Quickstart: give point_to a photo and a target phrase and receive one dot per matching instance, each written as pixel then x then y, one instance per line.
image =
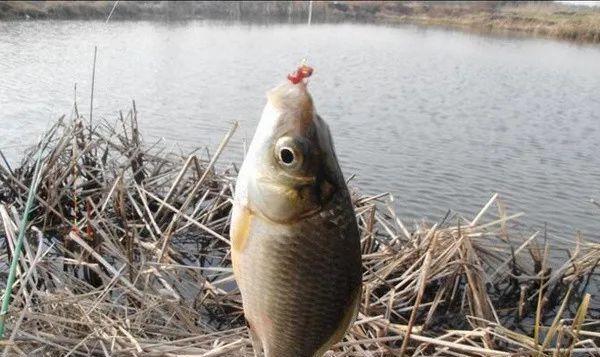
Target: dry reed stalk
pixel 153 229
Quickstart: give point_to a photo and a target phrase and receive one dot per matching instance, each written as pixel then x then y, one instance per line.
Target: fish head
pixel 290 170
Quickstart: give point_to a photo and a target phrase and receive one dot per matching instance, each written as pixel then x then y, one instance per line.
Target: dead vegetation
pixel 127 253
pixel 548 19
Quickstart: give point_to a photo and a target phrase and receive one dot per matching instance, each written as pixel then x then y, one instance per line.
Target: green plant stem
pixel 19 246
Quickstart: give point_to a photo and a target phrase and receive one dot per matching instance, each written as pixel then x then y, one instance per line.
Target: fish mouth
pixel 289 97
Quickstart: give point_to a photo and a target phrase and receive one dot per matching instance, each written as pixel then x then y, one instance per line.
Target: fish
pixel 295 242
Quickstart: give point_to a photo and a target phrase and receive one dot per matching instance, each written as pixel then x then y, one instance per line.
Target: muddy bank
pixel 536 18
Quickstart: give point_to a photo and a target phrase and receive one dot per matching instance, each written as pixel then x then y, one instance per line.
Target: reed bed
pixel 127 253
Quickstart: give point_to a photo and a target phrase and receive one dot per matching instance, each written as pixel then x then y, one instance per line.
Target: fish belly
pixel 299 283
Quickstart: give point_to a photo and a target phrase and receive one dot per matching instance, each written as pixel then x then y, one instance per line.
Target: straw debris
pixel 127 253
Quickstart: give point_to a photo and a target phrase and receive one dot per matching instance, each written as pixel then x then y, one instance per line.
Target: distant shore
pixel 578 23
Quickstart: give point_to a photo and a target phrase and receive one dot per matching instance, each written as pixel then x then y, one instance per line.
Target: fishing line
pixel 304 70
pixel 309 22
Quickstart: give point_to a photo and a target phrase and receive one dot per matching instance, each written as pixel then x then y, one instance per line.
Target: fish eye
pixel 286 155
pixel 288 152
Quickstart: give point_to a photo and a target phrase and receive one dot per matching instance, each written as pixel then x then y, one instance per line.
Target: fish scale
pixel 310 298
pixel 286 283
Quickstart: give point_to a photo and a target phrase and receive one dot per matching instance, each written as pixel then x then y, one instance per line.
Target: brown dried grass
pixel 128 254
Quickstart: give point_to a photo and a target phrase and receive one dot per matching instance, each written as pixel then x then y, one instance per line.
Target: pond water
pixel 441 119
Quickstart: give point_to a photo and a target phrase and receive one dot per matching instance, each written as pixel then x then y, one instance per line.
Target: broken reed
pixel 127 253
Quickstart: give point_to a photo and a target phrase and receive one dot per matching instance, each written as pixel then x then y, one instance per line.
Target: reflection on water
pixel 441 119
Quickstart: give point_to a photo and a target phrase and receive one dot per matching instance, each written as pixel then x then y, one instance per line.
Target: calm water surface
pixel 440 119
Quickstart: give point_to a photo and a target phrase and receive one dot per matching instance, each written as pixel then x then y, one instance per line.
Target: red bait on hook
pixel 302 72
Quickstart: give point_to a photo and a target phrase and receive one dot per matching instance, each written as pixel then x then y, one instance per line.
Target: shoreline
pixel 533 19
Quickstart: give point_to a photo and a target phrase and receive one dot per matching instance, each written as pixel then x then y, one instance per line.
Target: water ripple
pixel 440 119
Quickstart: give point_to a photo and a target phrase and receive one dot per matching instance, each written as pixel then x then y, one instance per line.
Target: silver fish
pixel 295 240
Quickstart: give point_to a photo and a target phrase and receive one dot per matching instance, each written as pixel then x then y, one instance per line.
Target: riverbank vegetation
pixel 126 252
pixel 580 23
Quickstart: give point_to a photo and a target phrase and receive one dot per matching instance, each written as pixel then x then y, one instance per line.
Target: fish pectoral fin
pixel 241 218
